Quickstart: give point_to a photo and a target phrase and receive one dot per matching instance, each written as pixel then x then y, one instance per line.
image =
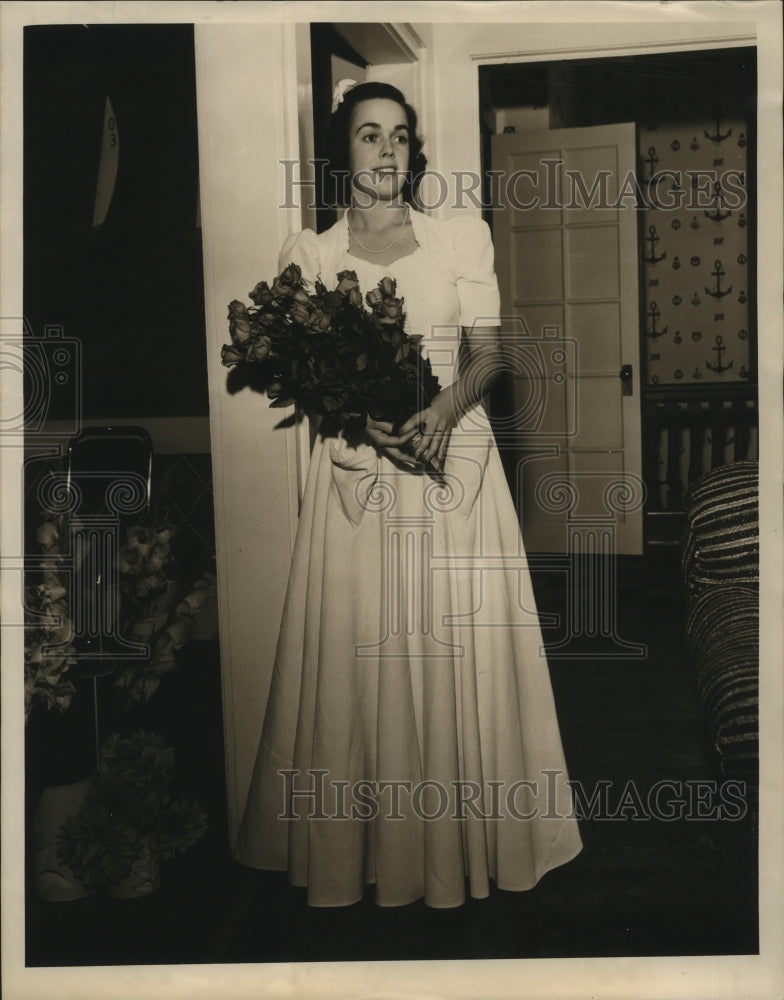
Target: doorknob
pixel 626 375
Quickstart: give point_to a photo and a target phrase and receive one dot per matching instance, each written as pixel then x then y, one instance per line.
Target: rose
pixel 144 630
pixel 389 311
pixel 130 559
pixel 274 389
pixel 259 349
pixel 310 316
pixel 291 275
pixel 179 631
pixel 347 282
pixel 158 556
pixel 52 589
pixel 48 536
pixel 300 313
pixel 63 632
pixel 239 325
pixel 388 286
pixel 231 355
pixel 355 298
pixel 261 294
pixel 54 615
pixel 288 282
pixel 138 537
pixel 374 298
pixel 163 650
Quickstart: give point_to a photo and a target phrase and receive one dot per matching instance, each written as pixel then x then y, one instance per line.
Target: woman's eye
pixel 370 137
pixel 402 139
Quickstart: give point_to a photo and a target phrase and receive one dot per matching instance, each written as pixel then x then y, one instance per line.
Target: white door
pixel 565 236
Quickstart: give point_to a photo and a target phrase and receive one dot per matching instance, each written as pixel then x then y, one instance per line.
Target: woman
pixel 410 738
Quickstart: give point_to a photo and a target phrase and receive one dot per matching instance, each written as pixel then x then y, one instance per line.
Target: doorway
pixel 684 382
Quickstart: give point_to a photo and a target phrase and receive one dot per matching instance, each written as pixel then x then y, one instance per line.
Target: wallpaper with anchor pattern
pixel 695 284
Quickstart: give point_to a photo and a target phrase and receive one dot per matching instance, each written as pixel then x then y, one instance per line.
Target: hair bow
pixel 340 91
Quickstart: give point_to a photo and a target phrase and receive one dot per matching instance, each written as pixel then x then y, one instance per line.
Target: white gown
pixel 410 691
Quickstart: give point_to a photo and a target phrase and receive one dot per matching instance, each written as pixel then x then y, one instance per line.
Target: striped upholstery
pixel 723 636
pixel 720 563
pixel 722 537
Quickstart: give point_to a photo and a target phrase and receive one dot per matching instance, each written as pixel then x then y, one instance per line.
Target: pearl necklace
pixel 394 242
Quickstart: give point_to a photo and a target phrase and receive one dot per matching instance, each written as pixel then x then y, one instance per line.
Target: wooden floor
pixel 641 886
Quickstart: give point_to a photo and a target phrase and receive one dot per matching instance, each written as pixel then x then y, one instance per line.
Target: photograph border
pixel 759 976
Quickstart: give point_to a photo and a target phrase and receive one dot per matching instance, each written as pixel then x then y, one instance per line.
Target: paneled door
pixel 565 233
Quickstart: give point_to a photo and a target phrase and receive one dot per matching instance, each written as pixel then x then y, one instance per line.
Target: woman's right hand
pixel 381 433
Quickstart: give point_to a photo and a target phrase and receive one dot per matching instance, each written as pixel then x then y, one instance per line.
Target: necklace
pixel 362 246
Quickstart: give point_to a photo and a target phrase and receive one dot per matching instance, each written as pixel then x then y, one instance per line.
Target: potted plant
pixel 131 820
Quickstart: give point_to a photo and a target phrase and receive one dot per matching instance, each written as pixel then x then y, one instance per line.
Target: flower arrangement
pixel 130 815
pixel 328 354
pixel 49 654
pixel 157 607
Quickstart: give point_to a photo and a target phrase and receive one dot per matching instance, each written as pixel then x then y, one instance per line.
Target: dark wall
pixel 131 290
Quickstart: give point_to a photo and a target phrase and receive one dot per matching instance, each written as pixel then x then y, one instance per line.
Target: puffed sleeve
pixel 477 285
pixel 301 249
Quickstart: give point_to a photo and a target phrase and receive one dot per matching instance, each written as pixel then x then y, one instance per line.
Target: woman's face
pixel 378 149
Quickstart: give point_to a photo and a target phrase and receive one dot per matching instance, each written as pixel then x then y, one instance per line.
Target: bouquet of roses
pixel 328 354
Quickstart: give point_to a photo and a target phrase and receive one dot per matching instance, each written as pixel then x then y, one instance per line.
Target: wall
pixel 247 123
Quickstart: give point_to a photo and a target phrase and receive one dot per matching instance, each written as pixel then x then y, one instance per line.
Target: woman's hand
pixel 383 437
pixel 435 424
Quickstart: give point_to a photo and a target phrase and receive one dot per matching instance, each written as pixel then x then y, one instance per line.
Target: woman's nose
pixel 387 149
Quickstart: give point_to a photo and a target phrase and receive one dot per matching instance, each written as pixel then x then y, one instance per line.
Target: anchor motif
pixel 696 373
pixel 718 136
pixel 694 224
pixel 718 274
pixel 652 160
pixel 696 300
pixel 654 314
pixel 742 298
pixel 742 220
pixel 720 348
pixel 718 215
pixel 694 144
pixel 676 263
pixel 677 338
pixel 653 239
pixel 741 140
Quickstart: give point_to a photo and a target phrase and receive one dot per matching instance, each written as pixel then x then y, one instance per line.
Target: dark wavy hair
pixel 338 140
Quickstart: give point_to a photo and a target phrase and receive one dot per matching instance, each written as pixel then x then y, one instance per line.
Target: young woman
pixel 410 739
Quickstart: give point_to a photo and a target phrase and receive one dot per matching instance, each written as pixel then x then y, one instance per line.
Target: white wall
pixel 247 107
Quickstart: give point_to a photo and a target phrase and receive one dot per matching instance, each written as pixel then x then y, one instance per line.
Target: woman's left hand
pixel 435 424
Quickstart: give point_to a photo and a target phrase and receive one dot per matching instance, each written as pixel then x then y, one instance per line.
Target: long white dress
pixel 410 738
